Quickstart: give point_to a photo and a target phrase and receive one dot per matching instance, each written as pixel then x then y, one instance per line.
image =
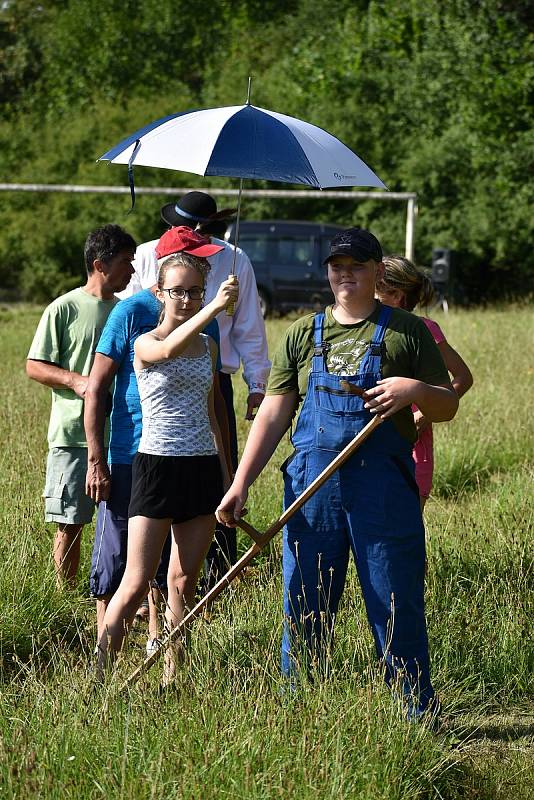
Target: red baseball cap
pixel 185 240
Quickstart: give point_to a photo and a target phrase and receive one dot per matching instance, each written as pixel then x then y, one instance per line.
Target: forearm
pixel 225 468
pixel 221 416
pixel 94 420
pixel 100 381
pixel 216 431
pixel 437 403
pixel 51 375
pixel 250 343
pixel 177 341
pixel 461 376
pixel 462 383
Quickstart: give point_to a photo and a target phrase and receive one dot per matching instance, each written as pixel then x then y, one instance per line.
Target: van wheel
pixel 265 303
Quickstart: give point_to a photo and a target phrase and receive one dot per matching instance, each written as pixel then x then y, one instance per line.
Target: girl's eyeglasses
pixel 177 293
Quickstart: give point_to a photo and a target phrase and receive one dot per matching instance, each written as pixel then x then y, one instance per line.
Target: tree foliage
pixel 434 96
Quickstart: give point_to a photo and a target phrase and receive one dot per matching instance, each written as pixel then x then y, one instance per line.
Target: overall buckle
pixel 322 349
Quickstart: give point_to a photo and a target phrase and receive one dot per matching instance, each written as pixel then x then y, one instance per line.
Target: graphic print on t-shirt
pixel 344 357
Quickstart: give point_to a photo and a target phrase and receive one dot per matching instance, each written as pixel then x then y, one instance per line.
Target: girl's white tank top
pixel 174 402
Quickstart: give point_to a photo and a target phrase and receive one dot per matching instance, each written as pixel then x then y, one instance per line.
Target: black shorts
pixel 111 537
pixel 176 487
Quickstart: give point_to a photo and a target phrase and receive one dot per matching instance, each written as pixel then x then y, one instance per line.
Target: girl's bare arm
pixel 462 379
pixel 151 350
pixel 214 422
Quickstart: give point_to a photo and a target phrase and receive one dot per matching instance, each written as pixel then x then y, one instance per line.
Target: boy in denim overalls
pixel 371 505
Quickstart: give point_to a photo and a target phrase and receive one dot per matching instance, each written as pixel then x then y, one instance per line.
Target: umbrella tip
pixel 249 89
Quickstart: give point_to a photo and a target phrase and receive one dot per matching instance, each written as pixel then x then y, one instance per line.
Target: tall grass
pixel 229 729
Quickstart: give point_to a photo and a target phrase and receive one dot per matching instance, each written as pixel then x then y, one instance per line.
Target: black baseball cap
pixel 355 242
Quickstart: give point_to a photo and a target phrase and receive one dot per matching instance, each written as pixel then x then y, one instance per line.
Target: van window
pixel 295 250
pixel 256 246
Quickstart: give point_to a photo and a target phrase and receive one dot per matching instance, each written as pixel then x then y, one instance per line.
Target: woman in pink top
pixel 406 286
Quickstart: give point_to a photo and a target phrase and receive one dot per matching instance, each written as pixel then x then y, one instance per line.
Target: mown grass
pixel 229 730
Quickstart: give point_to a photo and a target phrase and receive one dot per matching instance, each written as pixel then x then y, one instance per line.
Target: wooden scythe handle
pixel 260 540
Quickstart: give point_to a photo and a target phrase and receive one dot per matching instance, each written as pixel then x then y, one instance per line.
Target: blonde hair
pixel 400 273
pixel 201 265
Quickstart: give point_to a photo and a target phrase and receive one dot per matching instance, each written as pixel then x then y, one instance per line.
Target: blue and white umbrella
pixel 245 142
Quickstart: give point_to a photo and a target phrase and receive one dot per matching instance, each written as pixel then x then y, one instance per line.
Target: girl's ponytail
pixel 412 281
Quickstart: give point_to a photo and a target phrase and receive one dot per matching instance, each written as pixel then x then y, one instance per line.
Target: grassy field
pixel 227 730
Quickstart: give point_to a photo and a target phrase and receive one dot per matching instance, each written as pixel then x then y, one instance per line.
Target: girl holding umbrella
pixel 179 471
pixel 357 359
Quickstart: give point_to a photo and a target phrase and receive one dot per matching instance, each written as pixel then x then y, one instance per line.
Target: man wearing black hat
pixel 242 336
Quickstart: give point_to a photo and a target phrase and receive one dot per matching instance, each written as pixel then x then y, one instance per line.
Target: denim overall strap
pixel 320 348
pixel 372 360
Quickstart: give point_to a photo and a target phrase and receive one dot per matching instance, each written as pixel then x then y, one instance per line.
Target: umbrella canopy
pixel 245 142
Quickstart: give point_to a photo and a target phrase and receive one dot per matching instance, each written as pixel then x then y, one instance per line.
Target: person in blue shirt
pixel 109 476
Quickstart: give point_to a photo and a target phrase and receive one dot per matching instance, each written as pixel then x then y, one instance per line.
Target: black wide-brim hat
pixel 194 209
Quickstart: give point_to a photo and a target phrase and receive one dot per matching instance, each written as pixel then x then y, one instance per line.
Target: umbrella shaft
pixel 236 237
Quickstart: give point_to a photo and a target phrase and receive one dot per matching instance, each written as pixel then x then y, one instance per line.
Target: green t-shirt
pixel 409 352
pixel 67 335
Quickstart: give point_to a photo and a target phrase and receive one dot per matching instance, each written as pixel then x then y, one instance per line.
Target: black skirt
pixel 176 487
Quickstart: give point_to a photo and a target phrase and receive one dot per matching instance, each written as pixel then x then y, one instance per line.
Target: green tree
pixel 434 96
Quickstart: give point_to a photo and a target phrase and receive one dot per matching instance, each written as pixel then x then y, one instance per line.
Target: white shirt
pixel 242 335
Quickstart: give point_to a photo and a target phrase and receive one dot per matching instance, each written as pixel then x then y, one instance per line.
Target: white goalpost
pixel 409 198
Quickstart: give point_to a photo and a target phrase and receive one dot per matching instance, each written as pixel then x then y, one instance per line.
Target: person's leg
pixel 67 553
pixel 157 601
pixel 143 612
pixel 67 505
pixel 154 605
pixel 108 559
pixel 145 543
pixel 101 606
pixel 191 541
pixel 314 569
pixel 223 551
pixel 391 572
pixel 157 597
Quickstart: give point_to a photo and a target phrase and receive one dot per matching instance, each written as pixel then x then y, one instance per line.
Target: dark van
pixel 288 262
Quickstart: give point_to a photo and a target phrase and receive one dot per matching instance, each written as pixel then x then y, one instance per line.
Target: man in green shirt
pixel 61 356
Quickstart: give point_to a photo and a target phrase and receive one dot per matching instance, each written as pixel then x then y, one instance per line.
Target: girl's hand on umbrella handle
pixel 230 308
pixel 232 506
pixel 389 396
pixel 227 294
